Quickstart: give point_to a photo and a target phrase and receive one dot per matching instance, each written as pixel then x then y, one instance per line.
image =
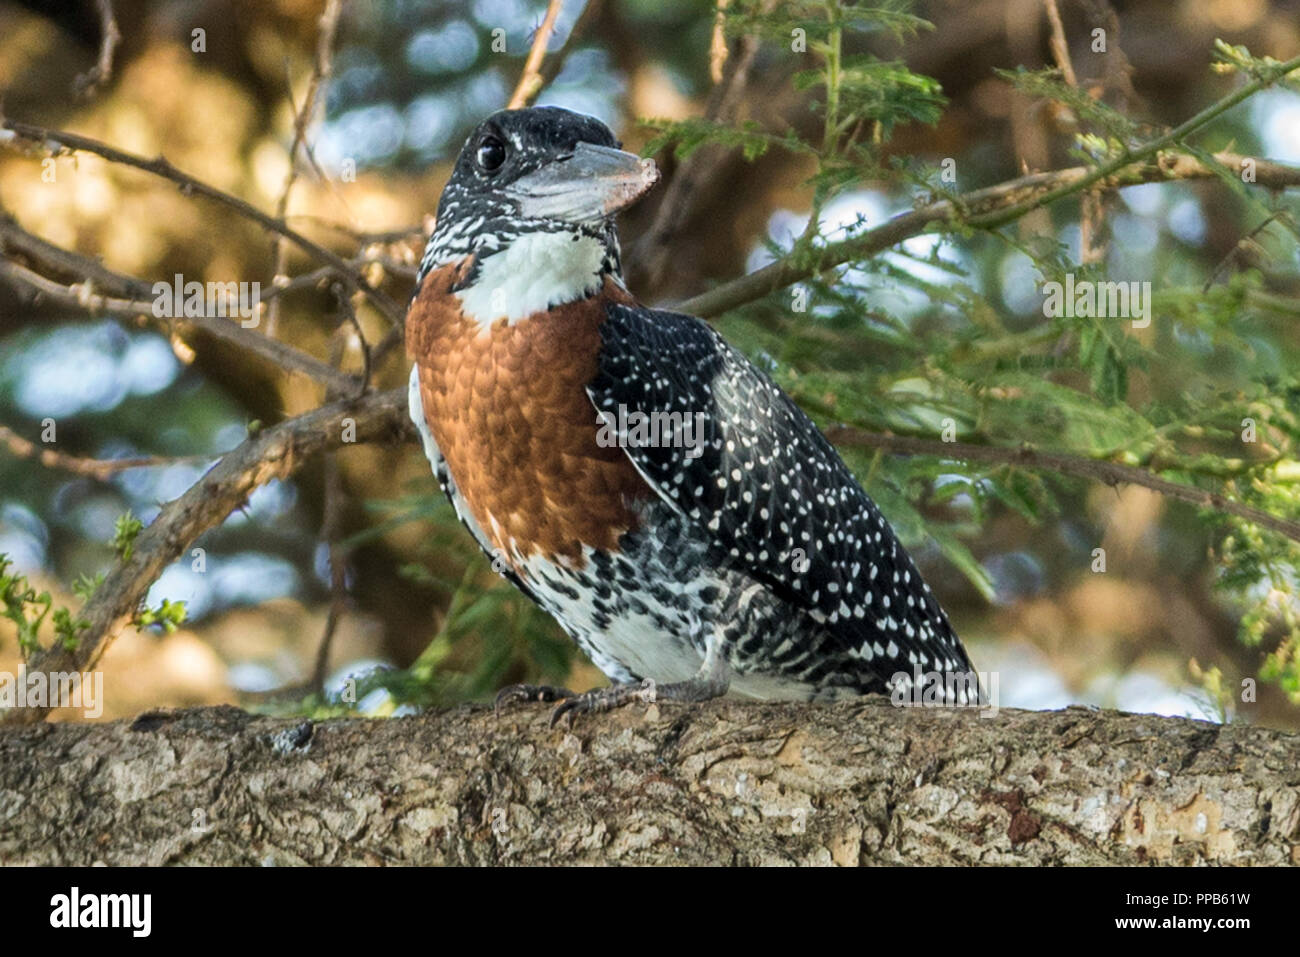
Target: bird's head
pixel 537 189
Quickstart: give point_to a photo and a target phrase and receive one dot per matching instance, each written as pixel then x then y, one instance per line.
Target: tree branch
pixel 656 253
pixel 726 783
pixel 1021 194
pixel 1110 473
pixel 1147 150
pixel 99 469
pixel 83 296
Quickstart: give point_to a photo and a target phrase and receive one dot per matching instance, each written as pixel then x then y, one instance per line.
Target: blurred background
pixel 420 619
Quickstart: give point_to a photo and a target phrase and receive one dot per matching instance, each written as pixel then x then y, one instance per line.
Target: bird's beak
pixel 590 184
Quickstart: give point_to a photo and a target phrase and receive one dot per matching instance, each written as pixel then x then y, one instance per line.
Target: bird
pixel 674 510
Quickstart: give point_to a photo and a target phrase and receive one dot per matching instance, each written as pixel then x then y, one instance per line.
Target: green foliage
pixel 20 603
pixel 68 628
pixel 818 21
pixel 1049 85
pixel 1260 577
pixel 169 616
pixel 880 92
pixel 688 135
pixel 16 597
pixel 86 585
pixel 125 530
pixel 861 92
pixel 1229 58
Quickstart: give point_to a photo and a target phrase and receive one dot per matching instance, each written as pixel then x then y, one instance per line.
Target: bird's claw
pixel 544 693
pixel 600 700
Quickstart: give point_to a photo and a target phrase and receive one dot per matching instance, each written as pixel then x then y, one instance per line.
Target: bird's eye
pixel 491 154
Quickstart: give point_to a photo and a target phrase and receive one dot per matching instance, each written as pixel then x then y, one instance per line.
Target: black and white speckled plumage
pixel 776 506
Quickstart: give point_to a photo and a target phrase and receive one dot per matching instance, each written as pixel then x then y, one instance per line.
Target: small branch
pixel 83 296
pixel 331 531
pixel 56 141
pixel 365 238
pixel 52 258
pixel 332 509
pixel 89 82
pixel 530 82
pixel 718 42
pixel 407 271
pixel 1245 242
pixel 1110 473
pixel 1003 207
pixel 305 281
pixel 392 339
pixel 99 469
pixel 553 64
pixel 1060 47
pixel 132 301
pixel 322 67
pixel 350 314
pixel 1016 194
pixel 1091 210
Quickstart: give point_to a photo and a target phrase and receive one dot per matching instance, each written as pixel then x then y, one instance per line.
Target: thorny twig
pixel 322 67
pixel 530 82
pixel 87 83
pixel 99 469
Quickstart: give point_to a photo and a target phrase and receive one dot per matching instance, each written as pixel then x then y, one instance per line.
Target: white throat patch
pixel 535 272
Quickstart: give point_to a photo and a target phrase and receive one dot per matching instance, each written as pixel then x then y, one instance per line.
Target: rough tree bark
pixel 725 783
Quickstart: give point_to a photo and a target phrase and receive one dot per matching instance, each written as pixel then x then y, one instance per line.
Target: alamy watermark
pixel 53 689
pixel 130 911
pixel 632 428
pixel 1103 300
pixel 235 300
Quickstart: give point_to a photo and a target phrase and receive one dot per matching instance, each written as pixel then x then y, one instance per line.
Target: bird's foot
pixel 512 693
pixel 600 700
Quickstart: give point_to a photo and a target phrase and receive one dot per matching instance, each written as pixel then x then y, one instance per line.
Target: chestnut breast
pixel 509 410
